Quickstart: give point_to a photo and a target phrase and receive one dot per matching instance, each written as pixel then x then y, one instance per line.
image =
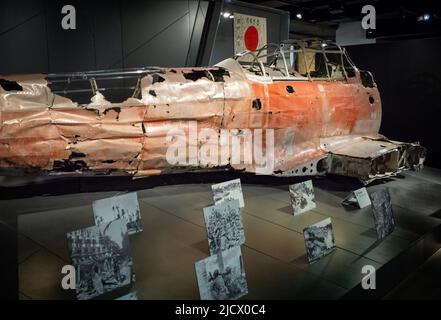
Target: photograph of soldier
pixel 222 276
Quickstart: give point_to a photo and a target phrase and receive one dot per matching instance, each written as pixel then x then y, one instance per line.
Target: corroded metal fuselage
pixel 319 126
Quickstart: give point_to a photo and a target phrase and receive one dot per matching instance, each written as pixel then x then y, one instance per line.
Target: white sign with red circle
pixel 249 34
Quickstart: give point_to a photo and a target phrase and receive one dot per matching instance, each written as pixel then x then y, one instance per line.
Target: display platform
pixel 174 235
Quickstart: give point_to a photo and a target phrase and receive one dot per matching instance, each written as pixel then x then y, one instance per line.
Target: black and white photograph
pixel 319 240
pixel 101 257
pixel 123 206
pixel 227 191
pixel 222 276
pixel 224 226
pixel 383 214
pixel 129 296
pixel 302 197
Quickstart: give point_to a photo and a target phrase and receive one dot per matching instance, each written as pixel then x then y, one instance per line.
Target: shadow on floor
pixel 71 185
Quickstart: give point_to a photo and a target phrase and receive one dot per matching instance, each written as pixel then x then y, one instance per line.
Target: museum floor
pixel 174 237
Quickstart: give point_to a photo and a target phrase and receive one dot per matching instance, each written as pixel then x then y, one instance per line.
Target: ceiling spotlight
pixel 324 44
pixel 424 17
pixel 231 16
pixel 299 15
pixel 226 14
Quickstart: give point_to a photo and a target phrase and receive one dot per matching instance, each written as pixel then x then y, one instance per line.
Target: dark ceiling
pixel 394 18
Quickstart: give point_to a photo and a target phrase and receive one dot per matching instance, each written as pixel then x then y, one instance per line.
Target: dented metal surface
pixel 320 125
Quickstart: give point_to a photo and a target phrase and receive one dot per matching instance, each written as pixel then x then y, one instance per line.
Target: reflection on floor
pixel 174 237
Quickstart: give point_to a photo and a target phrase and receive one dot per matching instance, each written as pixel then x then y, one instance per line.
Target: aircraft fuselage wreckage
pixel 320 113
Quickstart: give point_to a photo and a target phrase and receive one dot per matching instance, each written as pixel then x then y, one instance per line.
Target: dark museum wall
pixel 109 34
pixel 116 34
pixel 408 74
